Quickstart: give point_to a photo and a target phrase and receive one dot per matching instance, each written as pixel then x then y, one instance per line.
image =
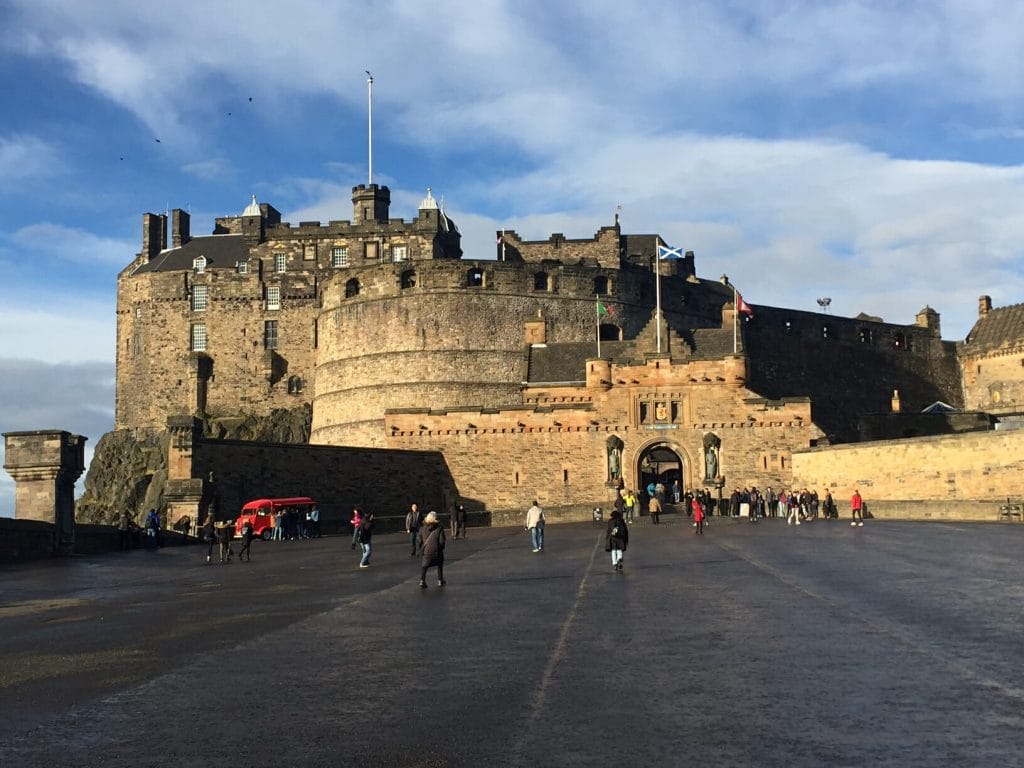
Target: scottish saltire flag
pixel 665 253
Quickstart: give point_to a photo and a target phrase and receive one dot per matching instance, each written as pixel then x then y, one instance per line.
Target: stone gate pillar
pixel 183 492
pixel 45 465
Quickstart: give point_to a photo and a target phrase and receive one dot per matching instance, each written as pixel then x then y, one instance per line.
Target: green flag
pixel 602 310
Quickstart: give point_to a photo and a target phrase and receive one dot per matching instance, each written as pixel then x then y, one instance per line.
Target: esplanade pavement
pixel 894 644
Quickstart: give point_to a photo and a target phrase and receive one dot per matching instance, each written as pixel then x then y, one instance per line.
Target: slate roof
pixel 221 252
pixel 998 328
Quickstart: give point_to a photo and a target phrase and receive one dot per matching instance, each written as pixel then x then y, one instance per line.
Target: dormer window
pixel 199 264
pixel 242 267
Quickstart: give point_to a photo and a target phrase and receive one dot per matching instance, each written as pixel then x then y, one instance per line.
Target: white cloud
pixel 211 169
pixel 51 241
pixel 65 329
pixel 25 158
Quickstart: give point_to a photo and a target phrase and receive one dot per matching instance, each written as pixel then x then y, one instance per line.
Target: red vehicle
pixel 260 514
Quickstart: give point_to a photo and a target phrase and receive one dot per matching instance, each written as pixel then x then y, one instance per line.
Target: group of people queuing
pixel 291 523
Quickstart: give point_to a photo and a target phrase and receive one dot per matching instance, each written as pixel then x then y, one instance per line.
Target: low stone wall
pixel 22 540
pixel 956 473
pixel 960 511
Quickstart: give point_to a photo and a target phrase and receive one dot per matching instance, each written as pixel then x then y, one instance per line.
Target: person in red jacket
pixel 857 508
pixel 698 516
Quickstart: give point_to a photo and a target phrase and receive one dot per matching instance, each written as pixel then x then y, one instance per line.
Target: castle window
pixel 199 264
pixel 136 344
pixel 789 326
pixel 242 267
pixel 866 336
pixel 408 279
pixel 279 262
pixel 352 288
pixel 541 282
pixel 309 252
pixel 399 253
pixel 602 285
pixel 270 334
pixel 198 298
pixel 273 297
pixel 475 278
pixel 197 342
pixel 339 257
pixel 294 385
pixel 899 341
pixel 824 331
pixel 370 250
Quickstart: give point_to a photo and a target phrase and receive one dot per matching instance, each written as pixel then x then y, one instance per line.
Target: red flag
pixel 742 306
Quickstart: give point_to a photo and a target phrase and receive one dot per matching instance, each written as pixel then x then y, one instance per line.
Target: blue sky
pixel 865 151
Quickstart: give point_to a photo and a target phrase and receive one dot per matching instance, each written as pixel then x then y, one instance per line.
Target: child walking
pixel 616 538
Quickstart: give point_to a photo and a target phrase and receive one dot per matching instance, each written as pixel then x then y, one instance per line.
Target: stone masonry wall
pixel 994 382
pixel 956 470
pixel 383 482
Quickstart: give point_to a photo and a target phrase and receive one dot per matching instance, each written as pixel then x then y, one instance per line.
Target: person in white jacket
pixel 535 525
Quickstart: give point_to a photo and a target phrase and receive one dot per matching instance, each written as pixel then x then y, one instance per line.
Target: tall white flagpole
pixel 597 312
pixel 657 293
pixel 369 132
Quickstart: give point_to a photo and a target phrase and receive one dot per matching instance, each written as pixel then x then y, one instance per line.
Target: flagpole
pixel 597 314
pixel 657 293
pixel 369 125
pixel 735 320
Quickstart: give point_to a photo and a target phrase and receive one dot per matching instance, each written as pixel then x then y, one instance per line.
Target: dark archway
pixel 610 332
pixel 660 463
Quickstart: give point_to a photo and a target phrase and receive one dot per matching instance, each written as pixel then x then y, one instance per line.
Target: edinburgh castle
pixel 368 361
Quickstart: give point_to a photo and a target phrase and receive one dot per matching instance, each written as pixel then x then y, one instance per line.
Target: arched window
pixel 602 285
pixel 610 332
pixel 352 288
pixel 541 281
pixel 199 264
pixel 294 385
pixel 408 279
pixel 475 278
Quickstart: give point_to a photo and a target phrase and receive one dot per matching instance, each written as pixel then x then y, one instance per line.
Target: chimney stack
pixel 984 305
pixel 180 223
pixel 154 234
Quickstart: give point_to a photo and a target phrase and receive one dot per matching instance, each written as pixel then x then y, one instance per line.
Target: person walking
pixel 698 517
pixel 629 501
pixel 365 535
pixel 314 523
pixel 857 509
pixel 209 536
pixel 654 508
pixel 459 522
pixel 224 540
pixel 431 546
pixel 535 525
pixel 153 530
pixel 244 555
pixel 124 531
pixel 793 511
pixel 676 491
pixel 357 519
pixel 413 521
pixel 278 525
pixel 616 538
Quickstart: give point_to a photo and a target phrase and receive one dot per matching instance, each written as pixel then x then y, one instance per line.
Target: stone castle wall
pixel 925 473
pixel 444 343
pixel 383 482
pixel 848 366
pixel 994 381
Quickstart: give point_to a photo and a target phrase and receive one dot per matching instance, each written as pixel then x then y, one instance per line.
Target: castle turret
pixel 370 203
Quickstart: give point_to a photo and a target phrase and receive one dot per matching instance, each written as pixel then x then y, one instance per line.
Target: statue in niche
pixel 712 465
pixel 614 446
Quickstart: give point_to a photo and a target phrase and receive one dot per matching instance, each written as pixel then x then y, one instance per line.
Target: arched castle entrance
pixel 661 461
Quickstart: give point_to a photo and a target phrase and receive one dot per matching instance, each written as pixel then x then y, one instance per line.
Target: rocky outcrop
pixel 129 467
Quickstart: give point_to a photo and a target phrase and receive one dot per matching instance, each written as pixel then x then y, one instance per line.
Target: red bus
pixel 260 514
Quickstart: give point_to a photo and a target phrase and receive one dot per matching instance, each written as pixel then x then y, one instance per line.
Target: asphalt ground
pixel 895 644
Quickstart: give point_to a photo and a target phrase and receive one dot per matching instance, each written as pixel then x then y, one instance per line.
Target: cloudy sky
pixel 865 151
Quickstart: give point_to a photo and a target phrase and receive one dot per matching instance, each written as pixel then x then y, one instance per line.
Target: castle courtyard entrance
pixel 659 463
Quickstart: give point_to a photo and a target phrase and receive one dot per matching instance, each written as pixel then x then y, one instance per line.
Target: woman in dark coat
pixel 616 538
pixel 431 546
